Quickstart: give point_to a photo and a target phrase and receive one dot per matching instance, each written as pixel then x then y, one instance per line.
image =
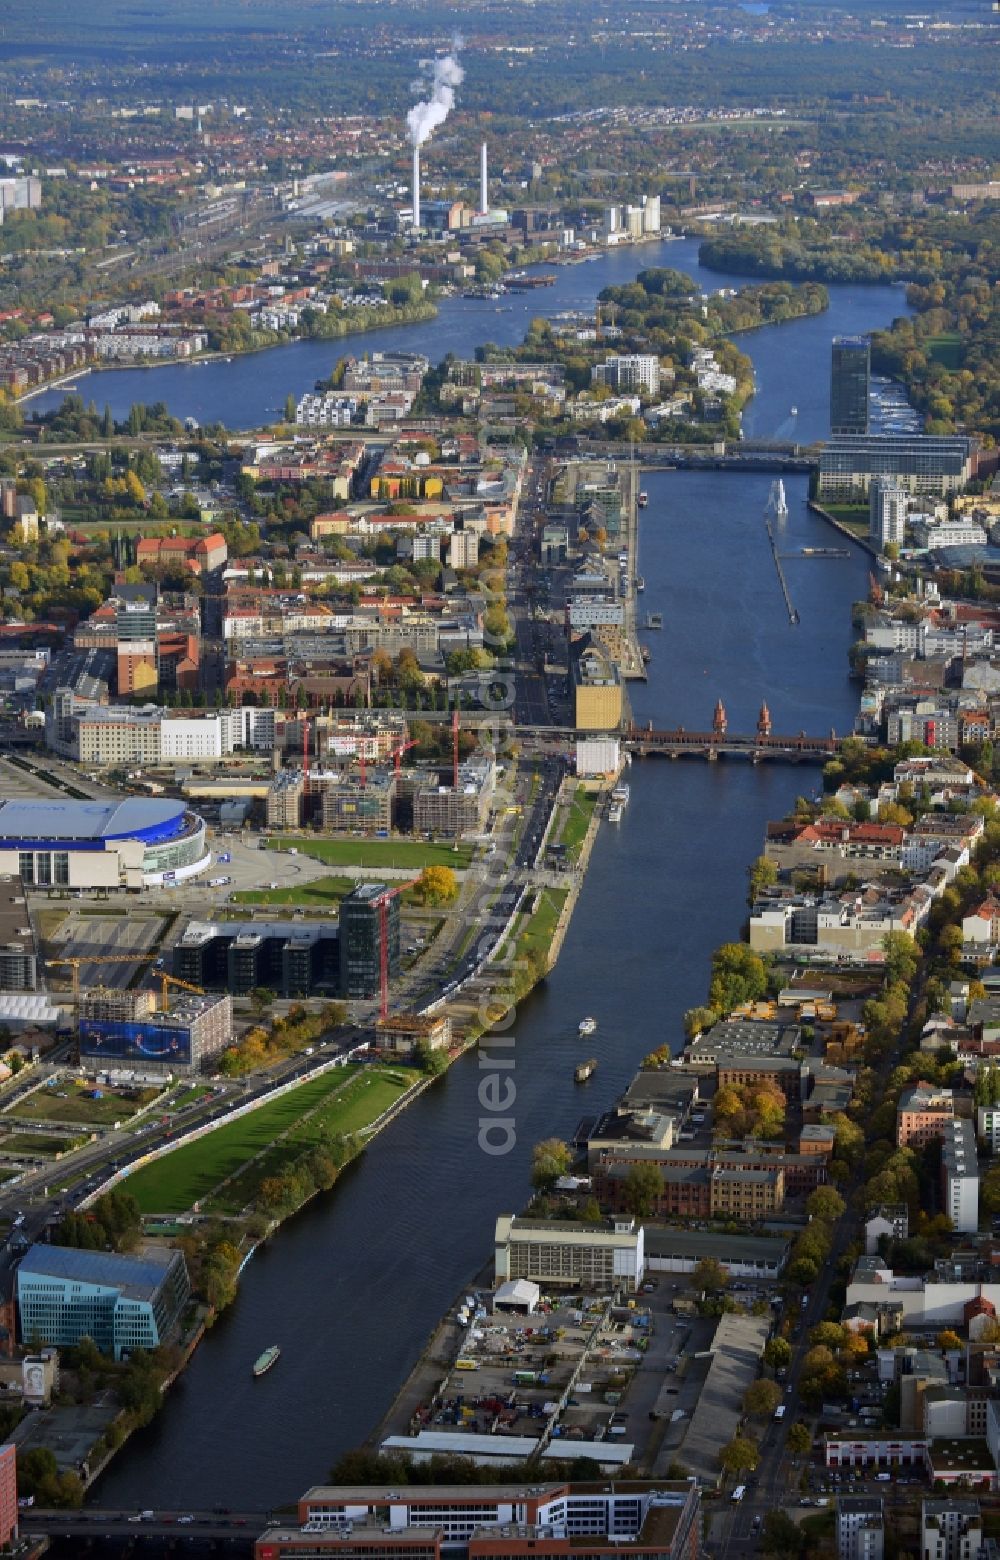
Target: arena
pixel 133 843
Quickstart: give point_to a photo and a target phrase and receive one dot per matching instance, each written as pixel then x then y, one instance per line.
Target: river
pixel 352 1288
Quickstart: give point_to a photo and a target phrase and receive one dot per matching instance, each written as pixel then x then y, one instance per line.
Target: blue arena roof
pixel 88 824
pixel 138 1278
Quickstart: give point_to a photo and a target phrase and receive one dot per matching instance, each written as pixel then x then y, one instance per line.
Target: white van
pixel 739 1492
pixel 779 1412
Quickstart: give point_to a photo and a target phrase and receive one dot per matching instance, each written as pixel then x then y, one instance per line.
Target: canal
pixel 352 1288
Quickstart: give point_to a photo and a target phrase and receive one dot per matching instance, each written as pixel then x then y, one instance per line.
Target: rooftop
pixel 136 1278
pixel 109 820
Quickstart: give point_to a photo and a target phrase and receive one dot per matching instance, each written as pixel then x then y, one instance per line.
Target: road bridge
pixel 233 1532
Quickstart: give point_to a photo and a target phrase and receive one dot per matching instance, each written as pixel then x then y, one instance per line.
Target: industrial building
pixel 600 1258
pixel 178 1041
pixel 136 843
pixel 492 1521
pixel 366 915
pixel 293 958
pixel 122 1303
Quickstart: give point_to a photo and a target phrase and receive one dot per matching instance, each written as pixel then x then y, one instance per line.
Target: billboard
pixel 135 1041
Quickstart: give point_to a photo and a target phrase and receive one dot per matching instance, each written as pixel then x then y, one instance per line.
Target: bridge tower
pixel 720 720
pixel 764 720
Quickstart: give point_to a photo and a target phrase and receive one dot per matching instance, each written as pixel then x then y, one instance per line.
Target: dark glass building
pixel 361 942
pixel 850 373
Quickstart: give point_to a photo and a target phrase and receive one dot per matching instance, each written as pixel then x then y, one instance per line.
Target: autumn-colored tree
pixel 437 886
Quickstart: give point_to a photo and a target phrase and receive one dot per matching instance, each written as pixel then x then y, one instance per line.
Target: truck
pixel 219 882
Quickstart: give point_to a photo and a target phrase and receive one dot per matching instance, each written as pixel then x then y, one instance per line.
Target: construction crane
pixel 305 758
pixel 98 958
pixel 382 903
pixel 398 752
pixel 454 747
pixel 174 980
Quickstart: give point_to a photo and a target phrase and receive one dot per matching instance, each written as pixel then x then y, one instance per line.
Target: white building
pixel 598 1258
pixel 860 1528
pixel 951 1528
pixel 629 371
pixel 887 507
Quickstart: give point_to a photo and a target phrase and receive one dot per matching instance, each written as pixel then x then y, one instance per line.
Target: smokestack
pixel 416 186
pixel 484 196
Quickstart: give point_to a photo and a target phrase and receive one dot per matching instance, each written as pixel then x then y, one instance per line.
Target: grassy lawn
pixel 535 935
pixel 377 853
pixel 48 1104
pixel 328 891
pixel 853 516
pixel 179 1180
pixel 349 1110
pixel 946 349
pixel 578 821
pixel 13 1144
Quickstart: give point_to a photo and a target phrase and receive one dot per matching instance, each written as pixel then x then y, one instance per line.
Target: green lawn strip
pixel 328 891
pixel 13 1144
pixel 401 854
pixel 349 1110
pixel 175 1182
pixel 46 1105
pixel 536 936
pixel 577 821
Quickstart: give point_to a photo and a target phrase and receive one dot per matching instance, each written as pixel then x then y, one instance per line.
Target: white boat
pixel 587 1026
pixel 795 411
pixel 615 812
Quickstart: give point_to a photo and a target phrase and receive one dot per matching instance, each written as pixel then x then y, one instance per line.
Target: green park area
pixel 400 854
pixel 577 821
pixel 854 516
pixel 946 349
pixel 15 1144
pixel 350 1099
pixel 326 892
pixel 68 1101
pixel 534 935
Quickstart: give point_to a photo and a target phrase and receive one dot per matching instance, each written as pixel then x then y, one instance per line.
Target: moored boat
pixel 585 1070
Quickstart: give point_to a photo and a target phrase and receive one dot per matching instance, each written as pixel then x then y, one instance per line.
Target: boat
pixel 621 793
pixel 654 619
pixel 587 1025
pixel 640 583
pixel 795 411
pixel 615 812
pixel 263 1363
pixel 647 655
pixel 777 504
pixel 585 1069
pixel 643 500
pixel 825 552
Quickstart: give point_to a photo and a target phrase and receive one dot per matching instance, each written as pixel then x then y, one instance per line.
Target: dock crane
pixel 174 980
pixel 98 958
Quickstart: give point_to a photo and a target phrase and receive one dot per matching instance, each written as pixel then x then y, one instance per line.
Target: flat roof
pixel 111 820
pixel 137 1278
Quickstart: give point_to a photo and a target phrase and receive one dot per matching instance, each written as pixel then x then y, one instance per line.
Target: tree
pixel 761 1398
pixel 740 1455
pixel 437 886
pixel 709 1276
pixel 781 1536
pixel 642 1189
pixel 738 975
pixel 777 1353
pixel 825 1203
pixel 799 1440
pixel 901 958
pixel 550 1159
pixel 948 1339
pixel 762 874
pixel 432 1060
pixel 829 1335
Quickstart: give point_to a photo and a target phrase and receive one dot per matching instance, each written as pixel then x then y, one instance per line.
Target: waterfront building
pixel 597 1257
pixel 134 843
pixel 920 463
pixel 122 1303
pixel 860 1528
pixel 850 383
pixel 401 1033
pixel 293 958
pixel 887 509
pixel 638 371
pixel 492 1521
pixel 960 1175
pixel 8 1494
pixel 951 1528
pixel 597 687
pixel 363 915
pixel 175 1042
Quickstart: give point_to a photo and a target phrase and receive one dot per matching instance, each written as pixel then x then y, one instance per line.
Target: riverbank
pixel 845 530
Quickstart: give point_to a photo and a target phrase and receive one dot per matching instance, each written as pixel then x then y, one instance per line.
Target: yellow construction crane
pixel 99 958
pixel 173 980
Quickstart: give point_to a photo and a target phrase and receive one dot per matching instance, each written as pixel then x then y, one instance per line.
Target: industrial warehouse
pixel 131 844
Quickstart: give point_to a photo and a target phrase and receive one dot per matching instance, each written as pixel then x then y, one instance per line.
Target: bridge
pixel 230 1532
pixel 720 742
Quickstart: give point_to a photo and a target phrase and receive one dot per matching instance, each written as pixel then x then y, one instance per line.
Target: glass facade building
pixel 850 375
pixel 361 940
pixel 122 1303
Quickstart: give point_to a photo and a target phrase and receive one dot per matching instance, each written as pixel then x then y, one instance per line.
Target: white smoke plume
pixel 444 75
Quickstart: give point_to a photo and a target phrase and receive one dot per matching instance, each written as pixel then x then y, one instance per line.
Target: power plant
pixel 416 185
pixel 484 183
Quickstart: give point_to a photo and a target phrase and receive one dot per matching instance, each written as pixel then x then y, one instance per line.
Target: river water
pixel 352 1288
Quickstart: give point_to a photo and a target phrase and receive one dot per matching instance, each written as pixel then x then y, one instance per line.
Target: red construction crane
pixel 398 752
pixel 454 747
pixel 383 902
pixel 305 754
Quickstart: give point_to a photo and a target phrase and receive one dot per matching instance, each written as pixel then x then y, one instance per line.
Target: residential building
pixel 284 799
pixel 888 504
pixel 367 916
pixel 960 1175
pixel 349 801
pixel 122 1303
pixel 860 1528
pixel 850 376
pixel 8 1494
pixel 922 1112
pixel 951 1528
pixel 451 811
pixel 599 1257
pixel 629 371
pixel 890 1220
